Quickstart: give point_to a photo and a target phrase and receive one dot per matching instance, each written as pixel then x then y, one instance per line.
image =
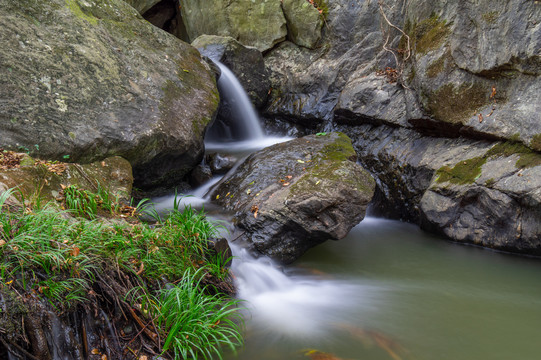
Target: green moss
pixel 429 34
pixel 77 11
pixel 490 182
pixel 323 6
pixel 527 157
pixel 490 17
pixel 455 104
pixel 536 142
pixel 436 68
pixel 465 172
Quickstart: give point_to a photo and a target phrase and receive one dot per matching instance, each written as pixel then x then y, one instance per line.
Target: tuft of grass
pixel 60 258
pixel 197 325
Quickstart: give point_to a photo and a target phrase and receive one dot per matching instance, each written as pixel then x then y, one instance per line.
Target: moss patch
pixel 77 11
pixel 436 67
pixel 455 104
pixel 527 157
pixel 536 142
pixel 490 17
pixel 465 172
pixel 428 34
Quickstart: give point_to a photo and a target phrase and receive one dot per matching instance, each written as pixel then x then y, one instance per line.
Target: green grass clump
pixel 197 325
pixel 60 258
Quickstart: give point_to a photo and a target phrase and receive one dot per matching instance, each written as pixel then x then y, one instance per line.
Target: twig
pixel 26 353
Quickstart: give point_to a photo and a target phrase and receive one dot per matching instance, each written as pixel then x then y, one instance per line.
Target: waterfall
pixel 238 120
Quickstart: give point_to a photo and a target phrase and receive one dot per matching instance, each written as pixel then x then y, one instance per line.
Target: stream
pixel 386 291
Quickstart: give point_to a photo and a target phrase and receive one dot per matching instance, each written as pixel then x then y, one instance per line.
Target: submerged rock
pixel 91 79
pixel 292 196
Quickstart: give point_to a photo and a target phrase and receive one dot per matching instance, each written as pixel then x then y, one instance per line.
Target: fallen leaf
pixel 300 161
pixel 75 251
pixel 217 197
pixel 95 351
pixel 480 118
pixel 2 243
pixel 103 357
pixel 493 92
pixel 289 176
pixel 285 184
pixel 317 182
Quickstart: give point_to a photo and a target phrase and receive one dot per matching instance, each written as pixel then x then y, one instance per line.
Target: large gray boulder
pixel 481 192
pixel 493 200
pixel 257 23
pixel 85 80
pixel 294 195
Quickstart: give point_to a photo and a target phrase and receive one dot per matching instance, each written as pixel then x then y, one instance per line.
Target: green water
pixel 392 291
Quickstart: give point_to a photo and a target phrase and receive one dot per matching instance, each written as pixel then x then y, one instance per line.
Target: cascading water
pixel 386 291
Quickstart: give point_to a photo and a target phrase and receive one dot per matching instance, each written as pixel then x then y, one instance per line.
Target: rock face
pixel 85 80
pixel 257 23
pixel 39 179
pixel 294 195
pixel 245 62
pixel 467 83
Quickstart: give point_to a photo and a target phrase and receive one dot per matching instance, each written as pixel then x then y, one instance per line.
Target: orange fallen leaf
pixel 75 251
pixel 95 351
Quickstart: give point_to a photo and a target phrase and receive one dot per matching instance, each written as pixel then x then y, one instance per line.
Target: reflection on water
pixel 391 291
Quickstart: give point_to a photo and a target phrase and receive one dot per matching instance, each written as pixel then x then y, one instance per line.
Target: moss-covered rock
pixel 295 195
pixel 257 23
pixel 456 104
pixel 428 34
pixel 304 22
pixel 92 79
pixel 40 182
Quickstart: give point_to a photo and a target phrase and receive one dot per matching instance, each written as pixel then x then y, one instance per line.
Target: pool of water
pixel 391 291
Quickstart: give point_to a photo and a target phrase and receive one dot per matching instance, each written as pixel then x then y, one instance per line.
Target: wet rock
pixel 220 163
pixel 294 195
pixel 245 62
pixel 200 175
pixel 304 22
pixel 260 24
pixel 91 79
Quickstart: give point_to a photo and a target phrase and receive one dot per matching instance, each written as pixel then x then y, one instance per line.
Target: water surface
pixel 392 291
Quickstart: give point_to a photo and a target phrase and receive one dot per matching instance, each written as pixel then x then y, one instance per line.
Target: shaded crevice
pixel 166 15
